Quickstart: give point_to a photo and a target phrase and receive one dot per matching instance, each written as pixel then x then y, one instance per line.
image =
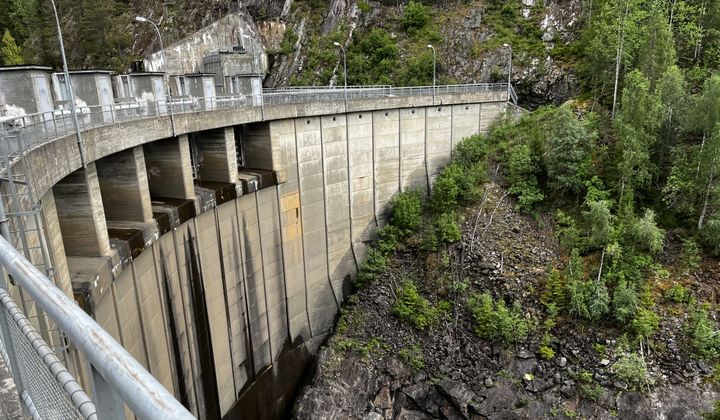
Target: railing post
pixel 108 403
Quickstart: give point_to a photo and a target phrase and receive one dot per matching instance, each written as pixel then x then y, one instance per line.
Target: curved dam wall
pixel 219 258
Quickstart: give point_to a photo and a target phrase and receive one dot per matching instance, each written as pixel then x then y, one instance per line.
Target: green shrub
pixel 522 175
pixel 646 235
pixel 290 38
pixel 374 264
pixel 413 356
pixel 710 234
pixel 645 323
pixel 691 255
pixel 625 302
pixel 445 192
pixel 373 58
pixel 495 321
pixel 415 17
pixel 413 308
pixel 600 221
pixel 448 230
pixel 471 150
pixel 429 239
pixel 364 6
pixel 714 414
pixel 407 211
pixel 588 387
pixel 588 299
pixel 567 231
pixel 678 294
pixel 554 293
pixel 631 368
pixel 702 333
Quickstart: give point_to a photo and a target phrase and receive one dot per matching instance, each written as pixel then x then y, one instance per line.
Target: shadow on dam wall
pixel 272 394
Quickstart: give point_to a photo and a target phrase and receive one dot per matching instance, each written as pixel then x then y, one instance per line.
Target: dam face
pixel 219 257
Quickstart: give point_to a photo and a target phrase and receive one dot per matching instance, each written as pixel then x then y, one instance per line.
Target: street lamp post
pixel 434 71
pixel 337 44
pixel 509 69
pixel 68 86
pixel 167 80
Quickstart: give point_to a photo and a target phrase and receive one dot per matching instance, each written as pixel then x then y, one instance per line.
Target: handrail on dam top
pixel 46 126
pixel 114 369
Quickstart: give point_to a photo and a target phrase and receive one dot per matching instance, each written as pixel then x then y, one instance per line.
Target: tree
pixel 568 157
pixel 646 235
pixel 671 90
pixel 658 53
pixel 415 17
pixel 9 51
pixel 600 222
pixel 709 172
pixel 636 125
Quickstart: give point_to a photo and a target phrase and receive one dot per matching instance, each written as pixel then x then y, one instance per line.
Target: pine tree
pixel 9 51
pixel 568 157
pixel 637 126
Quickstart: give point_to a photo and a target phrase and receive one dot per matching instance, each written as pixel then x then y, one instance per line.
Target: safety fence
pixel 47 389
pixel 45 126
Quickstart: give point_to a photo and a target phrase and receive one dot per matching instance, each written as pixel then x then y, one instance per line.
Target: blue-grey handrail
pixel 146 397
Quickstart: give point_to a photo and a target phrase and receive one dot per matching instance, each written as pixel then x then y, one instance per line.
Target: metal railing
pixel 45 126
pixel 46 387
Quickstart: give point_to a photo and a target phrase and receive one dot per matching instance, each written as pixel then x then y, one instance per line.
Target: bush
pixel 494 321
pixel 411 307
pixel 445 192
pixel 625 302
pixel 710 234
pixel 646 235
pixel 415 17
pixel 678 294
pixel 701 331
pixel 471 150
pixel 448 230
pixel 290 38
pixel 690 254
pixel 600 221
pixel 588 299
pixel 645 323
pixel 364 6
pixel 407 211
pixel 715 414
pixel 631 368
pixel 374 264
pixel 522 175
pixel 413 357
pixel 554 293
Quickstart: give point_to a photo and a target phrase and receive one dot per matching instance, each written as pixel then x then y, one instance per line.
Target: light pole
pixel 68 86
pixel 165 73
pixel 434 71
pixel 509 70
pixel 337 44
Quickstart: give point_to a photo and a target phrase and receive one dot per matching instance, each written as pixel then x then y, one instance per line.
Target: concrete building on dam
pixel 217 245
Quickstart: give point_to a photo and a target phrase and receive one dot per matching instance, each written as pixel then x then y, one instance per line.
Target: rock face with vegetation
pixel 566 264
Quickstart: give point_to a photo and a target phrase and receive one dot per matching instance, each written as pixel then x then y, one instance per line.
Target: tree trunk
pixel 703 213
pixel 618 57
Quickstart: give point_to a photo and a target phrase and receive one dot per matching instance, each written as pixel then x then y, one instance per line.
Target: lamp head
pixel 140 19
pixel 430 46
pixel 506 45
pixel 337 44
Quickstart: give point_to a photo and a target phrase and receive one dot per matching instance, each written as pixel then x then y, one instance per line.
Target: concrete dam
pixel 217 244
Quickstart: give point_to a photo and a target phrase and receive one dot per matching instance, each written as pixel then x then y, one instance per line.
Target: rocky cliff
pixel 378 367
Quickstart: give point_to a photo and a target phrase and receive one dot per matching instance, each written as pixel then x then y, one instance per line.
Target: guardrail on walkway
pixel 47 388
pixel 45 126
